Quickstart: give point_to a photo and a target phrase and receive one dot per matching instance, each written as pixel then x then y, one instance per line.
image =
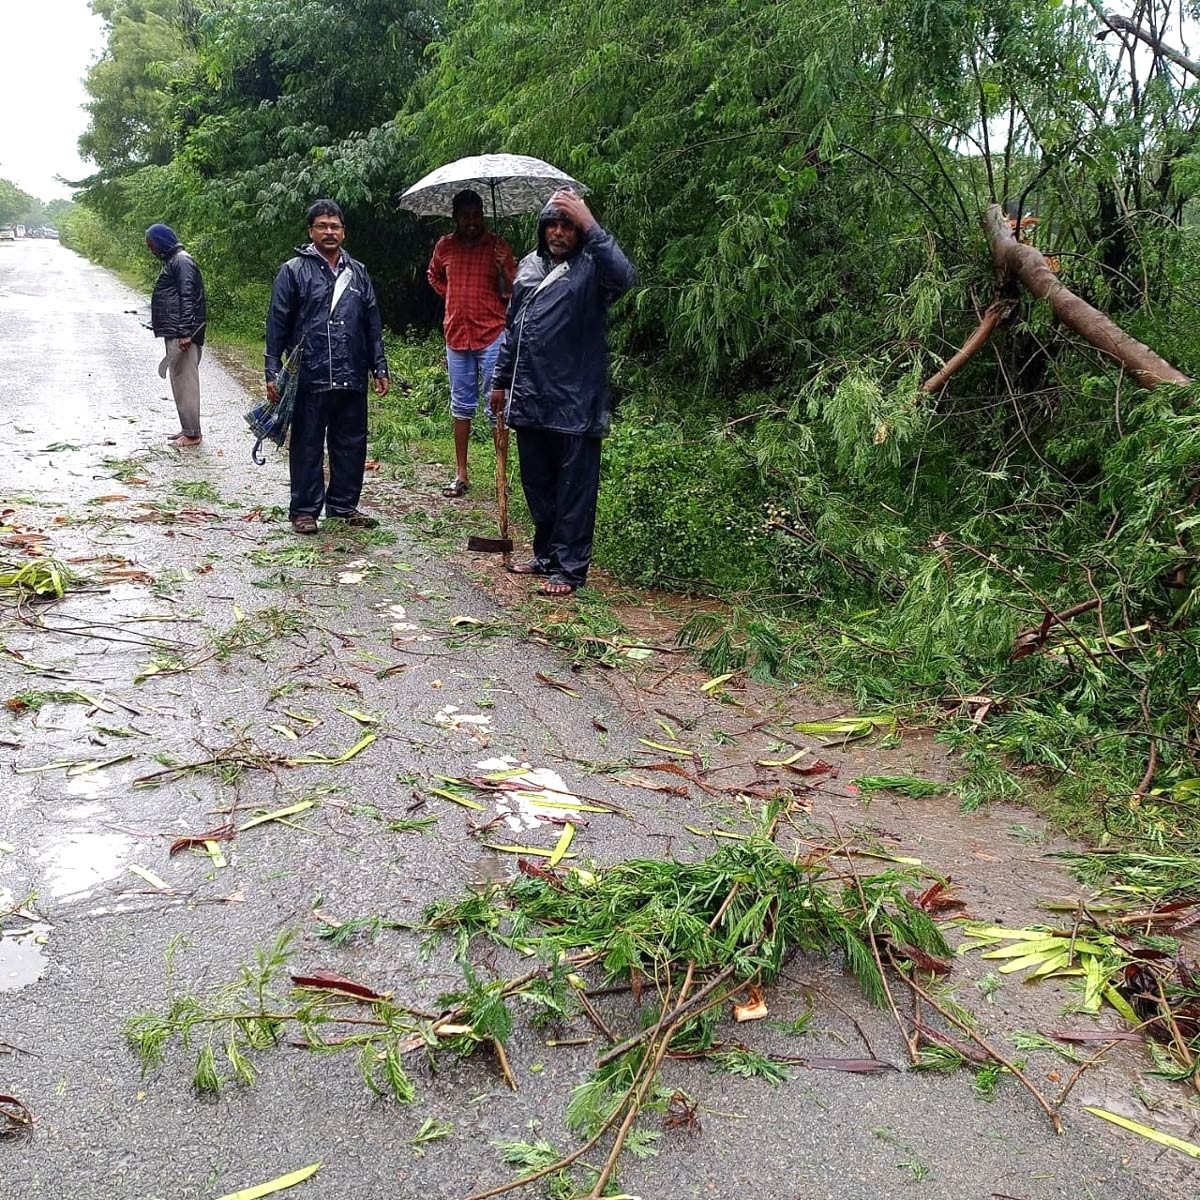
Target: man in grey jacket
pixel 552 376
pixel 178 314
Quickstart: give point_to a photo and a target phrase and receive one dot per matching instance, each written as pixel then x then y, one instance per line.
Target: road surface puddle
pixel 80 862
pixel 22 957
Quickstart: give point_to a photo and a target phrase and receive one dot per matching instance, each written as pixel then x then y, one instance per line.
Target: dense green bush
pixel 674 510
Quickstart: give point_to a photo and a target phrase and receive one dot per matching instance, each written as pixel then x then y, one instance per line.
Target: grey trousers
pixel 183 368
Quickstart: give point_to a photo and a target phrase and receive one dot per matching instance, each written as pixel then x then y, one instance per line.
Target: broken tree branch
pixel 1120 24
pixel 996 312
pixel 1028 264
pixel 1029 640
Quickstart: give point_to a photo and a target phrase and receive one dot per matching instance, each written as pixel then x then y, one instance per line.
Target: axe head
pixel 482 545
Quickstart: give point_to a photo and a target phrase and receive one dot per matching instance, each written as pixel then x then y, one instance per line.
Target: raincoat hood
pixel 162 239
pixel 552 213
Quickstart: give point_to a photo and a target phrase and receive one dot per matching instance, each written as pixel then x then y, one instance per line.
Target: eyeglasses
pixel 331 227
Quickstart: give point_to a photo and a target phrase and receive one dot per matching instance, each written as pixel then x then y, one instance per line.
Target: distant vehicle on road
pixel 49 231
pixel 7 233
pixel 20 231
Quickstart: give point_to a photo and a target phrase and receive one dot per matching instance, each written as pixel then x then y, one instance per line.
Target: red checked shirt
pixel 464 274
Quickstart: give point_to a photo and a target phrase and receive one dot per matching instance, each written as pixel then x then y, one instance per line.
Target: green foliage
pixel 650 916
pixel 680 510
pixel 750 1064
pixel 18 207
pixel 800 188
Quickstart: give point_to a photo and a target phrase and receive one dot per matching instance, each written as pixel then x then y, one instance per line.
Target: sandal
pixel 532 567
pixel 354 519
pixel 304 523
pixel 455 489
pixel 556 588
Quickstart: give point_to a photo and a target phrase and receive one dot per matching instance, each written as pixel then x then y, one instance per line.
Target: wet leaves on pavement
pixel 330 981
pixel 15 1117
pixel 1155 1135
pixel 282 1183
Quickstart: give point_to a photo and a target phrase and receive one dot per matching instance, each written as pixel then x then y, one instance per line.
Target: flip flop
pixel 533 567
pixel 556 589
pixel 455 489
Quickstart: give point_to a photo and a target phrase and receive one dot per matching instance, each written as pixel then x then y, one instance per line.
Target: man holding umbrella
pixel 323 302
pixel 472 269
pixel 552 369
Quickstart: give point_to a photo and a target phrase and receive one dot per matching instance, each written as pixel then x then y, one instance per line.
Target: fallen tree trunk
pixel 1028 264
pixel 1119 24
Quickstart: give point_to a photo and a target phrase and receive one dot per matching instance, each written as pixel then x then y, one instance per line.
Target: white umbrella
pixel 515 182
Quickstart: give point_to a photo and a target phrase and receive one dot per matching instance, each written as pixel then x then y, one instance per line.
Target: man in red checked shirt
pixel 472 269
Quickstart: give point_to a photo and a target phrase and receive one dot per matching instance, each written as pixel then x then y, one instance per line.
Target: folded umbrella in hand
pixel 271 421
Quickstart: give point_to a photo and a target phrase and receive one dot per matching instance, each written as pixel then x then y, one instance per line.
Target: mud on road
pixel 206 668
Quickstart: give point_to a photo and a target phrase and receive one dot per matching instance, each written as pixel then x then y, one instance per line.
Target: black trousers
pixel 339 418
pixel 560 473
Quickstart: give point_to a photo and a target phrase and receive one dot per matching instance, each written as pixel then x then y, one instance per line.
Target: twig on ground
pixel 994 1054
pixel 906 1034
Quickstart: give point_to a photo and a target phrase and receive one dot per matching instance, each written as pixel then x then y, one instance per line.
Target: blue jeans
pixel 470 372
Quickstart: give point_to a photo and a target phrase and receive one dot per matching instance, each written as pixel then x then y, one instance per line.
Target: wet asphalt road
pixel 176 551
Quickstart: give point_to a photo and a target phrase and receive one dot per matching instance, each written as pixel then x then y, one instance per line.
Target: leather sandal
pixel 556 588
pixel 304 523
pixel 532 567
pixel 456 489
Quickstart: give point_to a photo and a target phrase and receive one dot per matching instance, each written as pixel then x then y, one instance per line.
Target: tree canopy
pixel 19 207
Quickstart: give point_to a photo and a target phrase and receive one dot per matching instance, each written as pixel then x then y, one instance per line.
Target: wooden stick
pixel 907 1035
pixel 992 1053
pixel 568 1159
pixel 996 312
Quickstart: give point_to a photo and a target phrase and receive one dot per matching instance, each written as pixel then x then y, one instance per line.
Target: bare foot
pixel 184 440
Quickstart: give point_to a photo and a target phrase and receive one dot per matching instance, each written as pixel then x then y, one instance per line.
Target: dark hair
pixel 323 208
pixel 465 197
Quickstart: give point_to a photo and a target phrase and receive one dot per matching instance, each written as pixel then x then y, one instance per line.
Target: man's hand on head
pixel 573 207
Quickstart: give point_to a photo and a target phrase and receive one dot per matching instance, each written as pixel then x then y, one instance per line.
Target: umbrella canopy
pixel 516 183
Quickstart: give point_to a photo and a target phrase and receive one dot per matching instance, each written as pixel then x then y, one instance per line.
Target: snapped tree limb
pixel 1028 264
pixel 996 312
pixel 1120 24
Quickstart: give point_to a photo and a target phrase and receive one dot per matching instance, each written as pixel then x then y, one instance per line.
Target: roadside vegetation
pixel 802 187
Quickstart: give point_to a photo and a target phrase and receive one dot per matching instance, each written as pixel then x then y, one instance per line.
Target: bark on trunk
pixel 1026 263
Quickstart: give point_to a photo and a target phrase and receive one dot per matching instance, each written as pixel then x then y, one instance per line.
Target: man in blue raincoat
pixel 551 375
pixel 324 298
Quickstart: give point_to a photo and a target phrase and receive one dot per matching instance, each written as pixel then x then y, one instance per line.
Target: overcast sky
pixel 45 50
